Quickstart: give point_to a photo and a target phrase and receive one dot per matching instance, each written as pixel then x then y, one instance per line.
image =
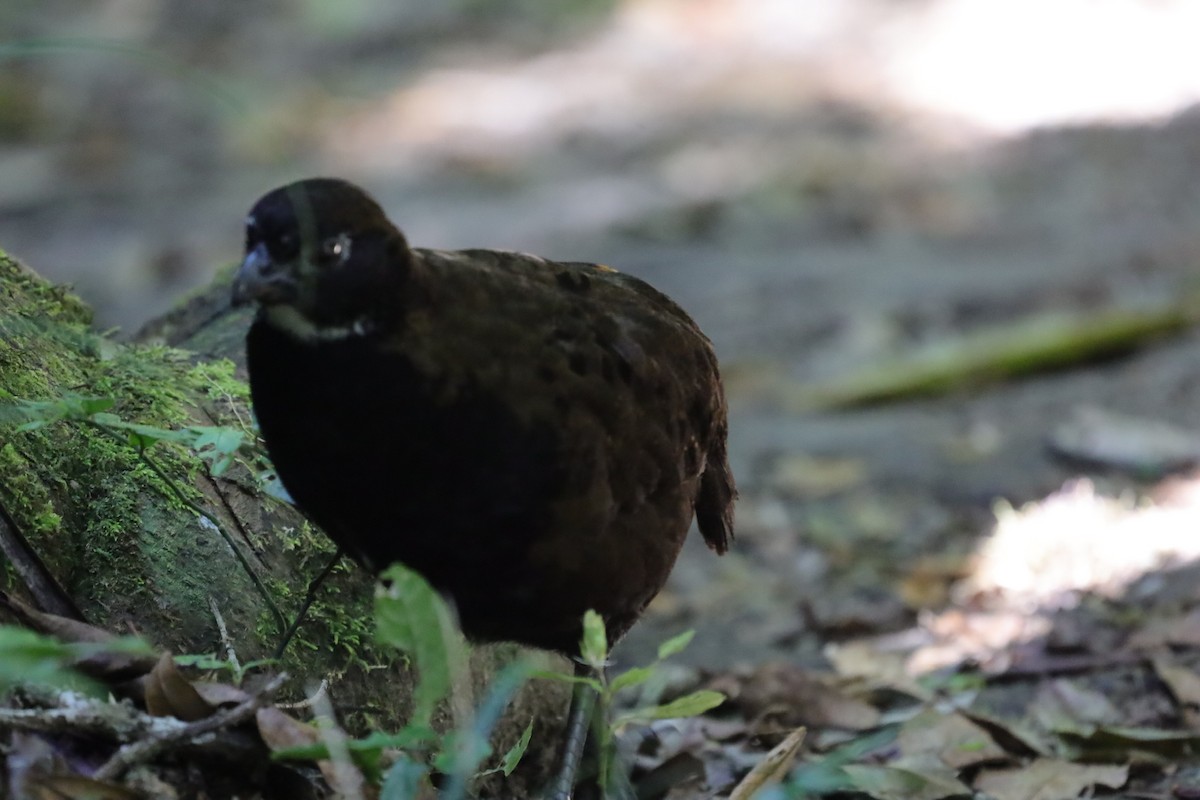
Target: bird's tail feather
pixel 714 504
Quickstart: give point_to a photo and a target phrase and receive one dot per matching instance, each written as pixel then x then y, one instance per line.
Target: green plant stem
pixel 309 598
pixel 280 622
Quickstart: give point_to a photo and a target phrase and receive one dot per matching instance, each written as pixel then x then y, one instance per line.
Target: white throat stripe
pixel 291 321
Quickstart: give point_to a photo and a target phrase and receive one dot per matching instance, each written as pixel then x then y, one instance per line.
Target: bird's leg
pixel 309 597
pixel 586 716
pixel 579 723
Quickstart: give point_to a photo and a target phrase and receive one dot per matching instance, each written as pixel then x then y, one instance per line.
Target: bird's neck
pixel 290 321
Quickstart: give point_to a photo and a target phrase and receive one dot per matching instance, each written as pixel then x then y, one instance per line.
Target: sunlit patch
pixel 1077 540
pixel 1024 63
pixel 1040 561
pixel 999 67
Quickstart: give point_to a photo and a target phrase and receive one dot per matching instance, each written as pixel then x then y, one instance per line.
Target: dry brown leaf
pixel 892 783
pixel 279 731
pixel 772 768
pixel 1134 746
pixel 877 662
pixel 77 787
pixel 928 582
pixel 65 628
pixel 793 697
pixel 947 739
pixel 1065 703
pixel 694 789
pixel 1183 682
pixel 1015 736
pixel 221 694
pixel 1049 779
pixel 681 768
pixel 108 667
pixel 971 636
pixel 1182 630
pixel 169 694
pixel 845 610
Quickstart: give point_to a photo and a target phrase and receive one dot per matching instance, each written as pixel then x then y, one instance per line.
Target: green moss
pixel 85 501
pixel 120 541
pixel 117 534
pixel 23 495
pixel 40 298
pixel 218 380
pixel 341 618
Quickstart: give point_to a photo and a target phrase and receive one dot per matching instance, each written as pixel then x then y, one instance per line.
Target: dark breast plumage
pixel 533 437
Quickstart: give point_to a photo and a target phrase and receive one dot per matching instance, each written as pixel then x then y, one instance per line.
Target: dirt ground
pixel 748 160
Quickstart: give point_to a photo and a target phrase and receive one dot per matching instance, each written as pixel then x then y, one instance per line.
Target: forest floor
pixel 1001 573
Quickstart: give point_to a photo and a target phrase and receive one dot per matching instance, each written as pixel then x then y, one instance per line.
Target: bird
pixel 533 437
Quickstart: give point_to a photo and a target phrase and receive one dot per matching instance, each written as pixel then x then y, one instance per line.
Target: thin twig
pixel 309 598
pixel 310 701
pixel 203 514
pixel 120 722
pixel 344 778
pixel 147 749
pixel 230 653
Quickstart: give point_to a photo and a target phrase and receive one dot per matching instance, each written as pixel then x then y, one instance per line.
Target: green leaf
pixel 818 778
pixel 893 783
pixel 203 661
pixel 141 441
pixel 220 440
pixel 31 658
pixel 690 705
pixel 94 405
pixel 460 753
pixel 404 780
pixel 562 677
pixel 155 433
pixel 411 737
pixel 467 747
pixel 594 646
pixel 218 446
pixel 631 677
pixel 675 644
pixel 412 617
pixel 513 757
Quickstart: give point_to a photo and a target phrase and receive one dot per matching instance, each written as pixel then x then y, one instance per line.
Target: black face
pixel 322 251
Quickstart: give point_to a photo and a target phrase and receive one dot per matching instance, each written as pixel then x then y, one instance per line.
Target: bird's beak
pixel 261 280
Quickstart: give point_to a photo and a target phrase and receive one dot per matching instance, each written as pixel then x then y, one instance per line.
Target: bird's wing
pixel 610 362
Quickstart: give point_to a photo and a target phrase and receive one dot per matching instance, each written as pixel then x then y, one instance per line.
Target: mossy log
pixel 89 526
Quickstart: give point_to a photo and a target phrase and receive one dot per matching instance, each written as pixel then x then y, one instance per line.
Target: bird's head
pixel 322 260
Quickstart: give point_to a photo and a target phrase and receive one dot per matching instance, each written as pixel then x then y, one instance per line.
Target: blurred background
pixel 826 185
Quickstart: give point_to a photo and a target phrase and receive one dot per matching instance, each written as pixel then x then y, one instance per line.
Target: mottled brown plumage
pixel 534 437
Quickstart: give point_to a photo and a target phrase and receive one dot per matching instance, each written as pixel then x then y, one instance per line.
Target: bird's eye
pixel 336 248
